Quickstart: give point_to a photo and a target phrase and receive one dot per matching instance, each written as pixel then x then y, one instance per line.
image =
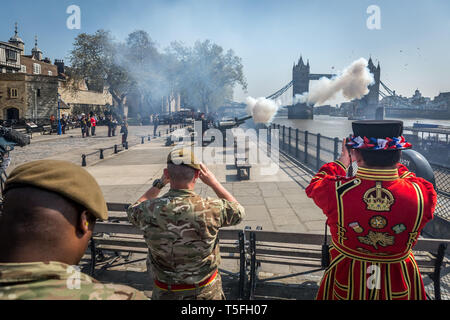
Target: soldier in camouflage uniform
pixel 57 281
pixel 48 217
pixel 181 230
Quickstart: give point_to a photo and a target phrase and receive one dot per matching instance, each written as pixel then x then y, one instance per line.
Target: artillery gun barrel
pixel 242 120
pixel 228 124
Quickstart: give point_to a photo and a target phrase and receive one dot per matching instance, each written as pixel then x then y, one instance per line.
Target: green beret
pixel 184 156
pixel 64 178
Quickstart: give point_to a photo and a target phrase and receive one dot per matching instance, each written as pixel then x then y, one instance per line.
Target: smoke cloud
pixel 352 83
pixel 263 110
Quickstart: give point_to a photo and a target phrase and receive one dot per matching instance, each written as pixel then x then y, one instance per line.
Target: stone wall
pixel 42 96
pixel 10 81
pixel 83 100
pixel 37 95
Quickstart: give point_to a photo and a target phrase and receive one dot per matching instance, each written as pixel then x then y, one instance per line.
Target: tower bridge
pixel 301 77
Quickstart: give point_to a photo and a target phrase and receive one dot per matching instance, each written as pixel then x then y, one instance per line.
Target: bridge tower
pixel 368 106
pixel 300 85
pixel 301 76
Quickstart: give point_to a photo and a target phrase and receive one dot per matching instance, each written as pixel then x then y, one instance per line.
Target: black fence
pixel 442 176
pixel 433 144
pixel 312 151
pixel 100 153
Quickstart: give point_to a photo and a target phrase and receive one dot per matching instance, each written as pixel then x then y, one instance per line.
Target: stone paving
pixel 71 146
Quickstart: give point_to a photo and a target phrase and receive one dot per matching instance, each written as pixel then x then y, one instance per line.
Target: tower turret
pixel 36 52
pixel 16 40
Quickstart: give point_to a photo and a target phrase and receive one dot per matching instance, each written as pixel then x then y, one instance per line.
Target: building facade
pixel 78 98
pixel 28 83
pixel 31 97
pixel 30 86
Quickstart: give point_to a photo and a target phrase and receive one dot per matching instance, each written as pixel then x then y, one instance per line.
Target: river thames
pixel 339 126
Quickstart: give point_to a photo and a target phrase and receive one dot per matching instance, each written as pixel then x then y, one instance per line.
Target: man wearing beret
pixel 49 212
pixel 375 217
pixel 181 230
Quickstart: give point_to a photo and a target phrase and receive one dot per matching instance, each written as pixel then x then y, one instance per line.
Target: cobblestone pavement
pixel 71 146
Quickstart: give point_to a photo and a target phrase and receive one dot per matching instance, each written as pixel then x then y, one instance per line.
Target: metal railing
pixel 433 144
pixel 442 177
pixel 121 147
pixel 312 151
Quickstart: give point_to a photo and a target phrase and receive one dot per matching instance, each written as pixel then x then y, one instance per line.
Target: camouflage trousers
pixel 212 291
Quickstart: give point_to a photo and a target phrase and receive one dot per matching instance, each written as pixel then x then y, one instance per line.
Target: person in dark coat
pixel 83 126
pixel 155 124
pixel 124 131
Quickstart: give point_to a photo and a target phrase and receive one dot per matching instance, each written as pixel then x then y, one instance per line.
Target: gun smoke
pixel 352 83
pixel 263 110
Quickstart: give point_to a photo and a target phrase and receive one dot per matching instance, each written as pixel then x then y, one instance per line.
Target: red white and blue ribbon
pixel 378 144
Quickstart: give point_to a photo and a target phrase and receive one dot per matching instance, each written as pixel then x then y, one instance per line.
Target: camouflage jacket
pixel 57 281
pixel 181 230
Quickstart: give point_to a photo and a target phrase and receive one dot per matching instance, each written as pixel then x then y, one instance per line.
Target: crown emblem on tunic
pixel 378 198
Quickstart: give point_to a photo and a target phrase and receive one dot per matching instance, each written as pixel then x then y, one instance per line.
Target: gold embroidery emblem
pixel 356 227
pixel 378 198
pixel 378 222
pixel 377 238
pixel 399 228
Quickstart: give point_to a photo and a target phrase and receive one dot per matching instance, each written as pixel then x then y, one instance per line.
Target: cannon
pixel 229 124
pixel 224 125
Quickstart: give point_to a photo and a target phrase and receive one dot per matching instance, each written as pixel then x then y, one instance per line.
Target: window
pixel 50 73
pixel 13 93
pixel 23 69
pixel 38 92
pixel 11 55
pixel 36 68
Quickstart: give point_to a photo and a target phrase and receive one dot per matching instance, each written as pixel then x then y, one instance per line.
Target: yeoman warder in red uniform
pixel 375 217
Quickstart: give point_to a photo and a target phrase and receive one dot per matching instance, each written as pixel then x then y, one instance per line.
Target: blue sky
pixel 412 46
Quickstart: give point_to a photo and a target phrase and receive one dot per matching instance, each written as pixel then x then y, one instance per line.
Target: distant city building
pixel 30 84
pixel 77 98
pixel 417 106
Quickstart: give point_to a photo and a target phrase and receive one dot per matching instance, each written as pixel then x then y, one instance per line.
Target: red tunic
pixel 375 219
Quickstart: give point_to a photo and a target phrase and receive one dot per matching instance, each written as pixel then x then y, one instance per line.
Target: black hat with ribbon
pixel 375 135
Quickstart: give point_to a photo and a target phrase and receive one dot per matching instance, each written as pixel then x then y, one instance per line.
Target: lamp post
pixel 35 106
pixel 59 115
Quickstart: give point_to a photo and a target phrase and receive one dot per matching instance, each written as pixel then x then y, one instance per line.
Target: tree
pixel 154 73
pixel 206 75
pixel 94 59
